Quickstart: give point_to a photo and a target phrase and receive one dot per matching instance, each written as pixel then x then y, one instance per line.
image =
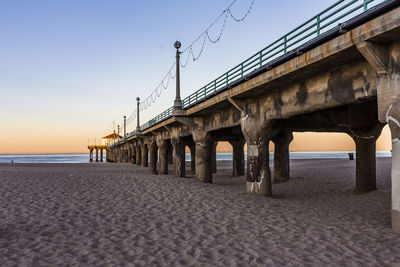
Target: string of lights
pixel 205 35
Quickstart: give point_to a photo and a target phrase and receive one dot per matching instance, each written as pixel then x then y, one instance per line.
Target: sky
pixel 69 68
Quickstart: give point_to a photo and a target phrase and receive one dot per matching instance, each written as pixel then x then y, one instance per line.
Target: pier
pixel 345 79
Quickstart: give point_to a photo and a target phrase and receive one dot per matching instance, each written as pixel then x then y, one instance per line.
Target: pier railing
pixel 315 27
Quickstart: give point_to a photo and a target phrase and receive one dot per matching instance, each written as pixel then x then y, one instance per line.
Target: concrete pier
pixel 179 157
pixel 347 84
pixel 237 157
pixel 281 156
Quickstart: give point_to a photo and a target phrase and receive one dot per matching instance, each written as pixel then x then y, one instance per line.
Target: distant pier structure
pixel 105 142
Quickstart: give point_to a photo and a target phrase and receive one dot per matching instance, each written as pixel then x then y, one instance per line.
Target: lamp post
pixel 137 114
pixel 124 127
pixel 178 101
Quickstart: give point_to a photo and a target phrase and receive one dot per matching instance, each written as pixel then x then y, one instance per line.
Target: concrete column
pixel 179 157
pixel 97 155
pixel 91 155
pixel 108 155
pixel 365 140
pixel 214 156
pixel 153 157
pixel 101 154
pixel 258 133
pixel 145 156
pixel 393 119
pixel 138 154
pixel 170 155
pixel 281 156
pixel 203 155
pixel 192 148
pixel 133 154
pixel 163 154
pixel 238 157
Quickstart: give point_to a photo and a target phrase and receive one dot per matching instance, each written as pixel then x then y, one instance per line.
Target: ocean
pixel 84 157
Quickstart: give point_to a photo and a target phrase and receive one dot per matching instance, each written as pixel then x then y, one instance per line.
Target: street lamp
pixel 178 101
pixel 124 127
pixel 137 114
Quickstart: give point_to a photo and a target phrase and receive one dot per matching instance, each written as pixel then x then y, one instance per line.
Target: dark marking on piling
pixel 278 103
pixel 302 94
pixel 236 116
pixel 340 87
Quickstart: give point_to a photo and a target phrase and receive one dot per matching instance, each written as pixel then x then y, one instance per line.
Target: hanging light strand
pixel 205 35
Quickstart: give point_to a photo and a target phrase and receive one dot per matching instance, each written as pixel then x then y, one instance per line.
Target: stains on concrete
pixel 278 103
pixel 236 116
pixel 302 94
pixel 340 88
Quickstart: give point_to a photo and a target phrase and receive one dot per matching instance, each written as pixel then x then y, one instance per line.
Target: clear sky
pixel 69 68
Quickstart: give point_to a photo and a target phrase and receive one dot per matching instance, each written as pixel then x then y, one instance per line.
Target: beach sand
pixel 118 214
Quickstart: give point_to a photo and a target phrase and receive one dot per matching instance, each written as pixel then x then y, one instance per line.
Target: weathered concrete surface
pixel 153 156
pixel 237 157
pixel 213 152
pixel 179 156
pixel 163 154
pixel 145 156
pixel 281 156
pixel 203 155
pixel 365 140
pixel 258 133
pixel 192 148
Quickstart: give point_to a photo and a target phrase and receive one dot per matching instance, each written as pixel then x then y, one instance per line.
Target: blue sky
pixel 69 68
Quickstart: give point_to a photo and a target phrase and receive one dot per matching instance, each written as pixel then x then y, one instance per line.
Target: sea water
pixel 84 157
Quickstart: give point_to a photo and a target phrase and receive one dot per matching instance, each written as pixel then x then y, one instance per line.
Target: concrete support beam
pixel 378 57
pixel 170 155
pixel 145 156
pixel 138 154
pixel 163 146
pixel 393 118
pixel 153 157
pixel 91 155
pixel 101 155
pixel 97 155
pixel 365 140
pixel 258 132
pixel 238 157
pixel 203 155
pixel 179 156
pixel 133 149
pixel 213 155
pixel 281 156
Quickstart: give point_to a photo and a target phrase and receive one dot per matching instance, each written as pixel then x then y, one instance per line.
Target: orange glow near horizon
pixel 68 142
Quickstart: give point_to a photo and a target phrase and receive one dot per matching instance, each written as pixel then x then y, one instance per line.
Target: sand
pixel 118 214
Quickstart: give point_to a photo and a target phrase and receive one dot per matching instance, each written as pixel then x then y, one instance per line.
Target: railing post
pixel 318 25
pixel 241 69
pixel 365 5
pixel 227 77
pixel 260 59
pixel 196 96
pixel 215 85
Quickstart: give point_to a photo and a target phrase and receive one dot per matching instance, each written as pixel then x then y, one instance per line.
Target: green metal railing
pixel 324 21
